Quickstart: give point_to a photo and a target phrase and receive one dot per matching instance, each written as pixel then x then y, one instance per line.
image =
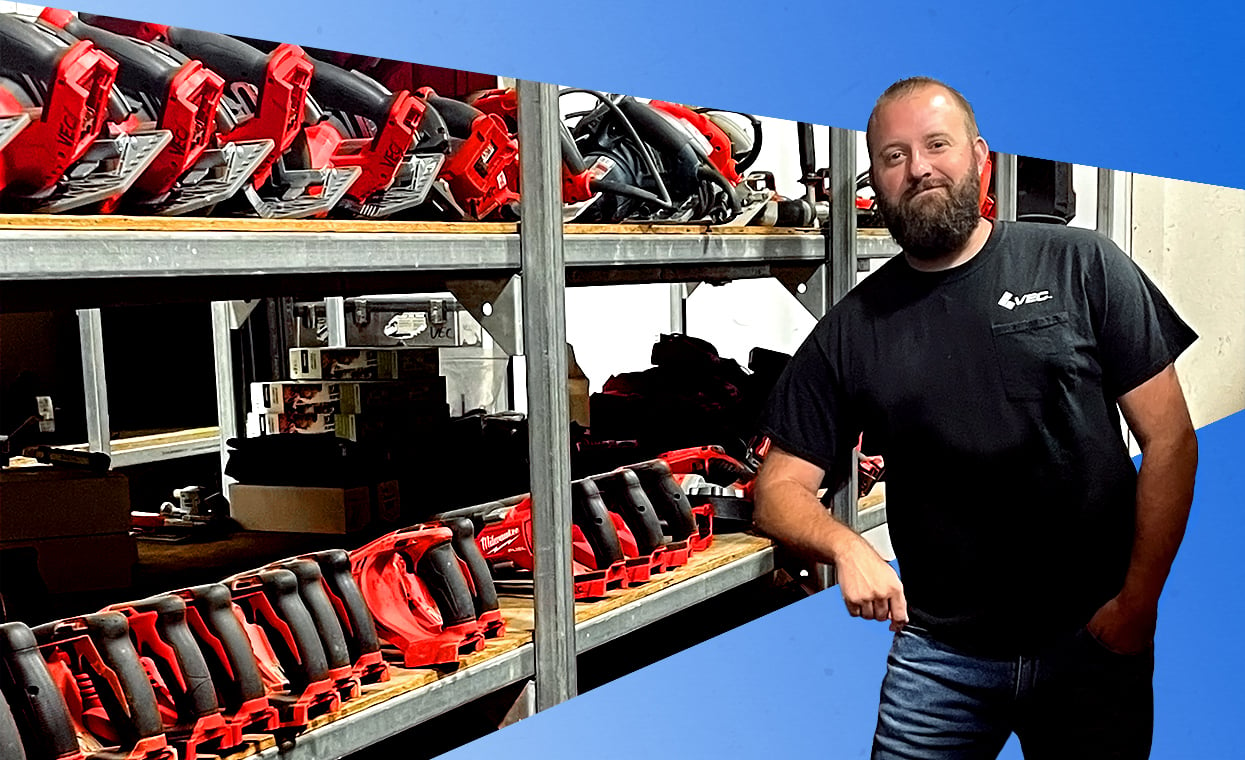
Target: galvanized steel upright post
pixel 1005 187
pixel 842 273
pixel 226 403
pixel 94 382
pixel 544 340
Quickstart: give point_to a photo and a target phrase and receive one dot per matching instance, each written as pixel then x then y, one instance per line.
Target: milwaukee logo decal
pixel 490 545
pixel 1009 301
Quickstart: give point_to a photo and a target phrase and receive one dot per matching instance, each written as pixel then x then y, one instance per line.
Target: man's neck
pixel 962 255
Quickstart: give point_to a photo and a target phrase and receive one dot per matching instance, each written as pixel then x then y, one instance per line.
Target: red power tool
pixel 582 180
pixel 286 644
pixel 43 721
pixel 380 132
pixel 265 95
pixel 353 615
pixel 483 166
pixel 109 695
pixel 504 534
pixel 645 546
pixel 13 119
pixel 178 672
pixel 217 626
pixel 62 160
pixel 419 593
pixel 680 521
pixel 167 90
pixel 314 593
pixel 715 479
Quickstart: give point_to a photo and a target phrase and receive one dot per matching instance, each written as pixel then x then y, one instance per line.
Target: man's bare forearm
pixel 1164 496
pixel 792 515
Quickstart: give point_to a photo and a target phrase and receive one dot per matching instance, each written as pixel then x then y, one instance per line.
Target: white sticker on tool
pixel 406 325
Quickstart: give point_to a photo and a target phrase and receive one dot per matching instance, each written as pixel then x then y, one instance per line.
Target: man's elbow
pixel 763 505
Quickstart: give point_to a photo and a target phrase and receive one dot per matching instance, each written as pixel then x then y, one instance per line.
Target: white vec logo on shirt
pixel 1009 301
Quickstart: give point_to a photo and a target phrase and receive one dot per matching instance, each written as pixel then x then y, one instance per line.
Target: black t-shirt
pixel 990 389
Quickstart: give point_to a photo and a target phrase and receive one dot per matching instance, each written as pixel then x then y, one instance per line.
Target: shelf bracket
pixel 495 304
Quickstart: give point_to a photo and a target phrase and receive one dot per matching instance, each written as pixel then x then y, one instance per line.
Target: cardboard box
pixel 45 502
pixel 391 428
pixel 273 424
pixel 346 397
pixel 296 398
pixel 363 363
pixel 391 396
pixel 300 509
pixel 79 563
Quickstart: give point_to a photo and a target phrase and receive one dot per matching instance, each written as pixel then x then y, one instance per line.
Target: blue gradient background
pixel 1147 87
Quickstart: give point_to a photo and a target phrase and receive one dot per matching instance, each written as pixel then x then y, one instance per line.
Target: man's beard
pixel 931 227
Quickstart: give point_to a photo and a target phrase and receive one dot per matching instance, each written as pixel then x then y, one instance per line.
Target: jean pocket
pixel 1102 648
pixel 1033 354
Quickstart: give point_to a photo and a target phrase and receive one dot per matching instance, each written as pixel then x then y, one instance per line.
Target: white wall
pixel 1190 239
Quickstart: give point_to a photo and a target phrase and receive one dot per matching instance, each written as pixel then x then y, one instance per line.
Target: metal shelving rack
pixel 171 262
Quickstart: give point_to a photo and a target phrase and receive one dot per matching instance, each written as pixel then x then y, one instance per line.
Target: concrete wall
pixel 1190 239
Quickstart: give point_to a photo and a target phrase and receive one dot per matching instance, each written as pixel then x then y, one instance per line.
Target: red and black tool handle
pixel 315 598
pixel 235 673
pixel 623 494
pixel 459 117
pixel 30 49
pixel 337 89
pixel 271 599
pixel 160 630
pixel 234 60
pixel 335 567
pixel 440 570
pixel 668 499
pixel 143 69
pixel 39 708
pixel 592 517
pixel 484 591
pixel 133 713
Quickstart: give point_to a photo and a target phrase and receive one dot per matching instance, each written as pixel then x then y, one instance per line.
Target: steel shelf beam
pixel 611 625
pixel 64 254
pixel 61 255
pixel 391 717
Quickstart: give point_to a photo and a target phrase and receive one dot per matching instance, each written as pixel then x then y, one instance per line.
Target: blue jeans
pixel 1075 700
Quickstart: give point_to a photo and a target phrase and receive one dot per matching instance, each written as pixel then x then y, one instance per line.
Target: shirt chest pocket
pixel 1035 355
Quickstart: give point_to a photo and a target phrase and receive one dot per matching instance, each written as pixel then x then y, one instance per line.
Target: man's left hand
pixel 1124 626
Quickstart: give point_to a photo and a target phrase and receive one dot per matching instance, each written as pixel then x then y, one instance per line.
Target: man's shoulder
pixel 1025 234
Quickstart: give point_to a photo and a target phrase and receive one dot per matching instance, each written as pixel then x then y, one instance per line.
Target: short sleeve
pixel 1139 333
pixel 807 412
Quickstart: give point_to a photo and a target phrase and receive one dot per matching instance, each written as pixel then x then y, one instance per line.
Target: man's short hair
pixel 905 87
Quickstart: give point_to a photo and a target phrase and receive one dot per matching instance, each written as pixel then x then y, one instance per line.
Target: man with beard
pixel 989 364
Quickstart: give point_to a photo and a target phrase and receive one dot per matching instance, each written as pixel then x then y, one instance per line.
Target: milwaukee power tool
pixel 96 669
pixel 218 629
pixel 286 644
pixel 43 721
pixel 419 593
pixel 179 676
